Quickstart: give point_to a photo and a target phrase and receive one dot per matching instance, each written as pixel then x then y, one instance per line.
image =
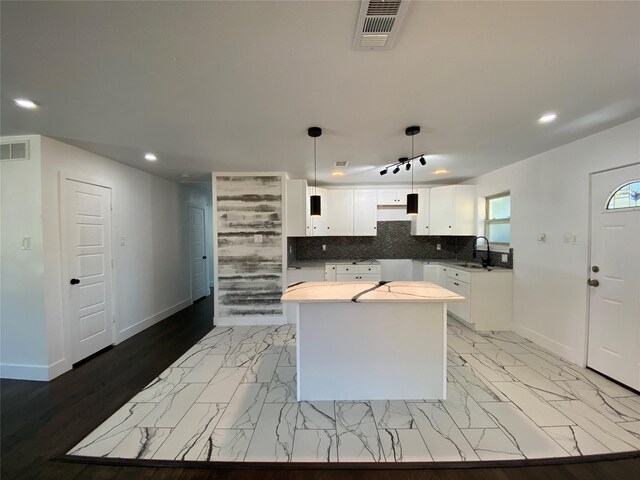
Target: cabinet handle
pixel 456 284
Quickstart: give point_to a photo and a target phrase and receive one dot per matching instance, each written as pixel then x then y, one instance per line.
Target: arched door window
pixel 627 196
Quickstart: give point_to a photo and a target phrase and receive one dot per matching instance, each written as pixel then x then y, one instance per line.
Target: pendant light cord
pixel 315 167
pixel 412 161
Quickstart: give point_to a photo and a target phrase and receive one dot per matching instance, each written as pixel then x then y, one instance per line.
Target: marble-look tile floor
pixel 232 397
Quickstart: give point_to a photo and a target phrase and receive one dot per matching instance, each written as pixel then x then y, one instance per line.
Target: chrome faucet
pixel 486 262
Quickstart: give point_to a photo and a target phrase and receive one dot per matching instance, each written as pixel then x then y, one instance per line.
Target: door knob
pixel 74 281
pixel 593 283
pixel 595 268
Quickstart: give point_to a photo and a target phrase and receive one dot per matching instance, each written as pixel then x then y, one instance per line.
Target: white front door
pixel 86 263
pixel 614 310
pixel 198 254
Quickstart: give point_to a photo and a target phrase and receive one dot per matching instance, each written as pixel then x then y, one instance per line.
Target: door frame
pixel 585 356
pixel 191 205
pixel 62 222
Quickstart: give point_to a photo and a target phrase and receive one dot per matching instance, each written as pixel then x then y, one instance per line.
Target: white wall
pixel 23 347
pixel 550 194
pixel 151 273
pixel 151 276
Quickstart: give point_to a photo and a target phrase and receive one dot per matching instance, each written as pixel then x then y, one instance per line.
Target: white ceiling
pixel 233 86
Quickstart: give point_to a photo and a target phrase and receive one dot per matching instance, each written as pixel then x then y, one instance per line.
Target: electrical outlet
pixel 123 241
pixel 438 246
pixel 505 258
pixel 324 248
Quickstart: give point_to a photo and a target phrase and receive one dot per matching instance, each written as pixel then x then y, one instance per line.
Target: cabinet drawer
pixel 458 275
pixel 369 269
pixel 346 269
pixel 358 277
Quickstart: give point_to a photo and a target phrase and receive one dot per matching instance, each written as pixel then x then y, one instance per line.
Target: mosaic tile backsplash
pixel 394 241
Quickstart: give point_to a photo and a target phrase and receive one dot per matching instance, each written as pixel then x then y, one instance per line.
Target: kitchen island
pixel 371 340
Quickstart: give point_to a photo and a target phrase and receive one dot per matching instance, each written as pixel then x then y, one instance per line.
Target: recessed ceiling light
pixel 548 117
pixel 150 156
pixel 337 173
pixel 25 103
pixel 440 171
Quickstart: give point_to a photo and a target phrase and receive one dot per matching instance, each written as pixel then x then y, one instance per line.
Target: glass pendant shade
pixel 315 206
pixel 412 204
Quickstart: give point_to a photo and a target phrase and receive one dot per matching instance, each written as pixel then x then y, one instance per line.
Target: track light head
pixel 422 160
pixel 396 170
pixel 383 172
pixel 408 167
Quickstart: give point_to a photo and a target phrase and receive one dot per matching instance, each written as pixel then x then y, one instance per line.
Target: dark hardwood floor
pixel 40 421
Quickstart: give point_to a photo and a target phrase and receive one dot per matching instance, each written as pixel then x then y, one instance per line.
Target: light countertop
pixel 319 264
pixel 462 265
pixel 360 292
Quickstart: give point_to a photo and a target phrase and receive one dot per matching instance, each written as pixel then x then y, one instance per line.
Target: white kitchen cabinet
pixel 420 222
pixel 330 273
pixel 488 296
pixel 452 210
pixel 353 273
pixel 316 226
pixel 296 212
pixel 365 212
pixel 397 197
pixel 339 212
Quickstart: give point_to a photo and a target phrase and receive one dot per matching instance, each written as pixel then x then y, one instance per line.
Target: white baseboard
pixel 58 368
pixel 152 320
pixel 24 372
pixel 257 320
pixel 564 351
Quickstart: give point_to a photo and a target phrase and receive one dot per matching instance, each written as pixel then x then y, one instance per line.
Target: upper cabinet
pixel 365 212
pixel 296 211
pixel 395 198
pixel 339 212
pixel 420 222
pixel 452 210
pixel 446 210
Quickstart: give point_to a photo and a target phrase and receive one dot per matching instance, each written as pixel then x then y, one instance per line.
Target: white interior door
pixel 198 254
pixel 614 310
pixel 86 251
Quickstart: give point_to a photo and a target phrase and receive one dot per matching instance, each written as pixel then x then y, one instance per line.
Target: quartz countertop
pixel 462 265
pixel 360 292
pixel 319 264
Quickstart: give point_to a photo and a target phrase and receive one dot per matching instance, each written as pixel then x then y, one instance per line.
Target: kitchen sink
pixel 470 265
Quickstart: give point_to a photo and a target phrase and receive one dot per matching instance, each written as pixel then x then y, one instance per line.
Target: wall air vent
pixel 14 151
pixel 341 163
pixel 379 24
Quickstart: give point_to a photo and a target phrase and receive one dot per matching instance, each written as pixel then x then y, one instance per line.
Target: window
pixel 627 196
pixel 498 219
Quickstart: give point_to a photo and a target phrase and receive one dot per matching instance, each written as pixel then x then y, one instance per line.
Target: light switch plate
pixel 505 258
pixel 257 238
pixel 324 248
pixel 123 241
pixel 26 243
pixel 438 246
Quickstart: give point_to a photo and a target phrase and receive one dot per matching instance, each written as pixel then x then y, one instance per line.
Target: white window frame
pixel 488 221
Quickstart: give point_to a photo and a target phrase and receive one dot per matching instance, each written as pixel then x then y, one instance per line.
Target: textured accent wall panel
pixel 249 273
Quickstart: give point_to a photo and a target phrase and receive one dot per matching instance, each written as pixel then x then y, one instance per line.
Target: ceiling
pixel 233 86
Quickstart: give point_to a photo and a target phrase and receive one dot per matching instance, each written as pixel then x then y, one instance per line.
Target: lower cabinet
pixel 488 303
pixel 353 273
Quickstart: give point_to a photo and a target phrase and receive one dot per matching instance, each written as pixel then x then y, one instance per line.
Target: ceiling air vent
pixel 341 163
pixel 14 151
pixel 379 23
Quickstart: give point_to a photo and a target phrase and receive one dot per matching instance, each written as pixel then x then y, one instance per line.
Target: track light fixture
pixel 406 161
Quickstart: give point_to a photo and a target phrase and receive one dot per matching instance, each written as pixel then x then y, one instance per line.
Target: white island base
pixel 373 351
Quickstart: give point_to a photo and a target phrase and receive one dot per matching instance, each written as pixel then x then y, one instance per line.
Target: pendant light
pixel 315 132
pixel 412 198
